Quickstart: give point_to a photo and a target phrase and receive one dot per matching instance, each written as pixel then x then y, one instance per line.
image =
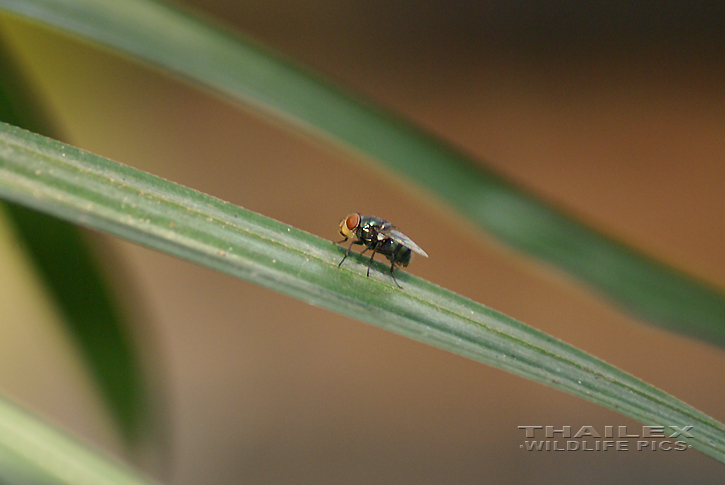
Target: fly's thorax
pixel 369 230
pixel 368 235
pixel 373 223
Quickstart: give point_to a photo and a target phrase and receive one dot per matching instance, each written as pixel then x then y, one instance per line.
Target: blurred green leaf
pixel 68 269
pixel 86 189
pixel 70 272
pixel 176 41
pixel 33 452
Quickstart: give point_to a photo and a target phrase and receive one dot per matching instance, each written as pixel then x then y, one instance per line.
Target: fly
pixel 380 236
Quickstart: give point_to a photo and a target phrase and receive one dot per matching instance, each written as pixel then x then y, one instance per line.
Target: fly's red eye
pixel 352 221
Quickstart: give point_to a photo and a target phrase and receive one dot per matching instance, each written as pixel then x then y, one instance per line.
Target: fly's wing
pixel 401 238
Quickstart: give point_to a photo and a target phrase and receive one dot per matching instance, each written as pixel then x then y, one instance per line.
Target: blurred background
pixel 614 112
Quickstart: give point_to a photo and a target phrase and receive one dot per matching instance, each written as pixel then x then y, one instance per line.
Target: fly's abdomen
pixel 396 252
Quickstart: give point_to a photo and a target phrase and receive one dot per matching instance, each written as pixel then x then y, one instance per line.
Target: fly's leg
pixel 371 260
pixel 392 266
pixel 347 253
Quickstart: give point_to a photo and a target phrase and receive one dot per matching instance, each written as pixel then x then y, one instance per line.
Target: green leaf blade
pixel 174 40
pixel 32 451
pixel 86 189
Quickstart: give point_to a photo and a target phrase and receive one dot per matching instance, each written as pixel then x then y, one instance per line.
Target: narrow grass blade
pixel 173 40
pixel 71 275
pixel 33 452
pixel 89 190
